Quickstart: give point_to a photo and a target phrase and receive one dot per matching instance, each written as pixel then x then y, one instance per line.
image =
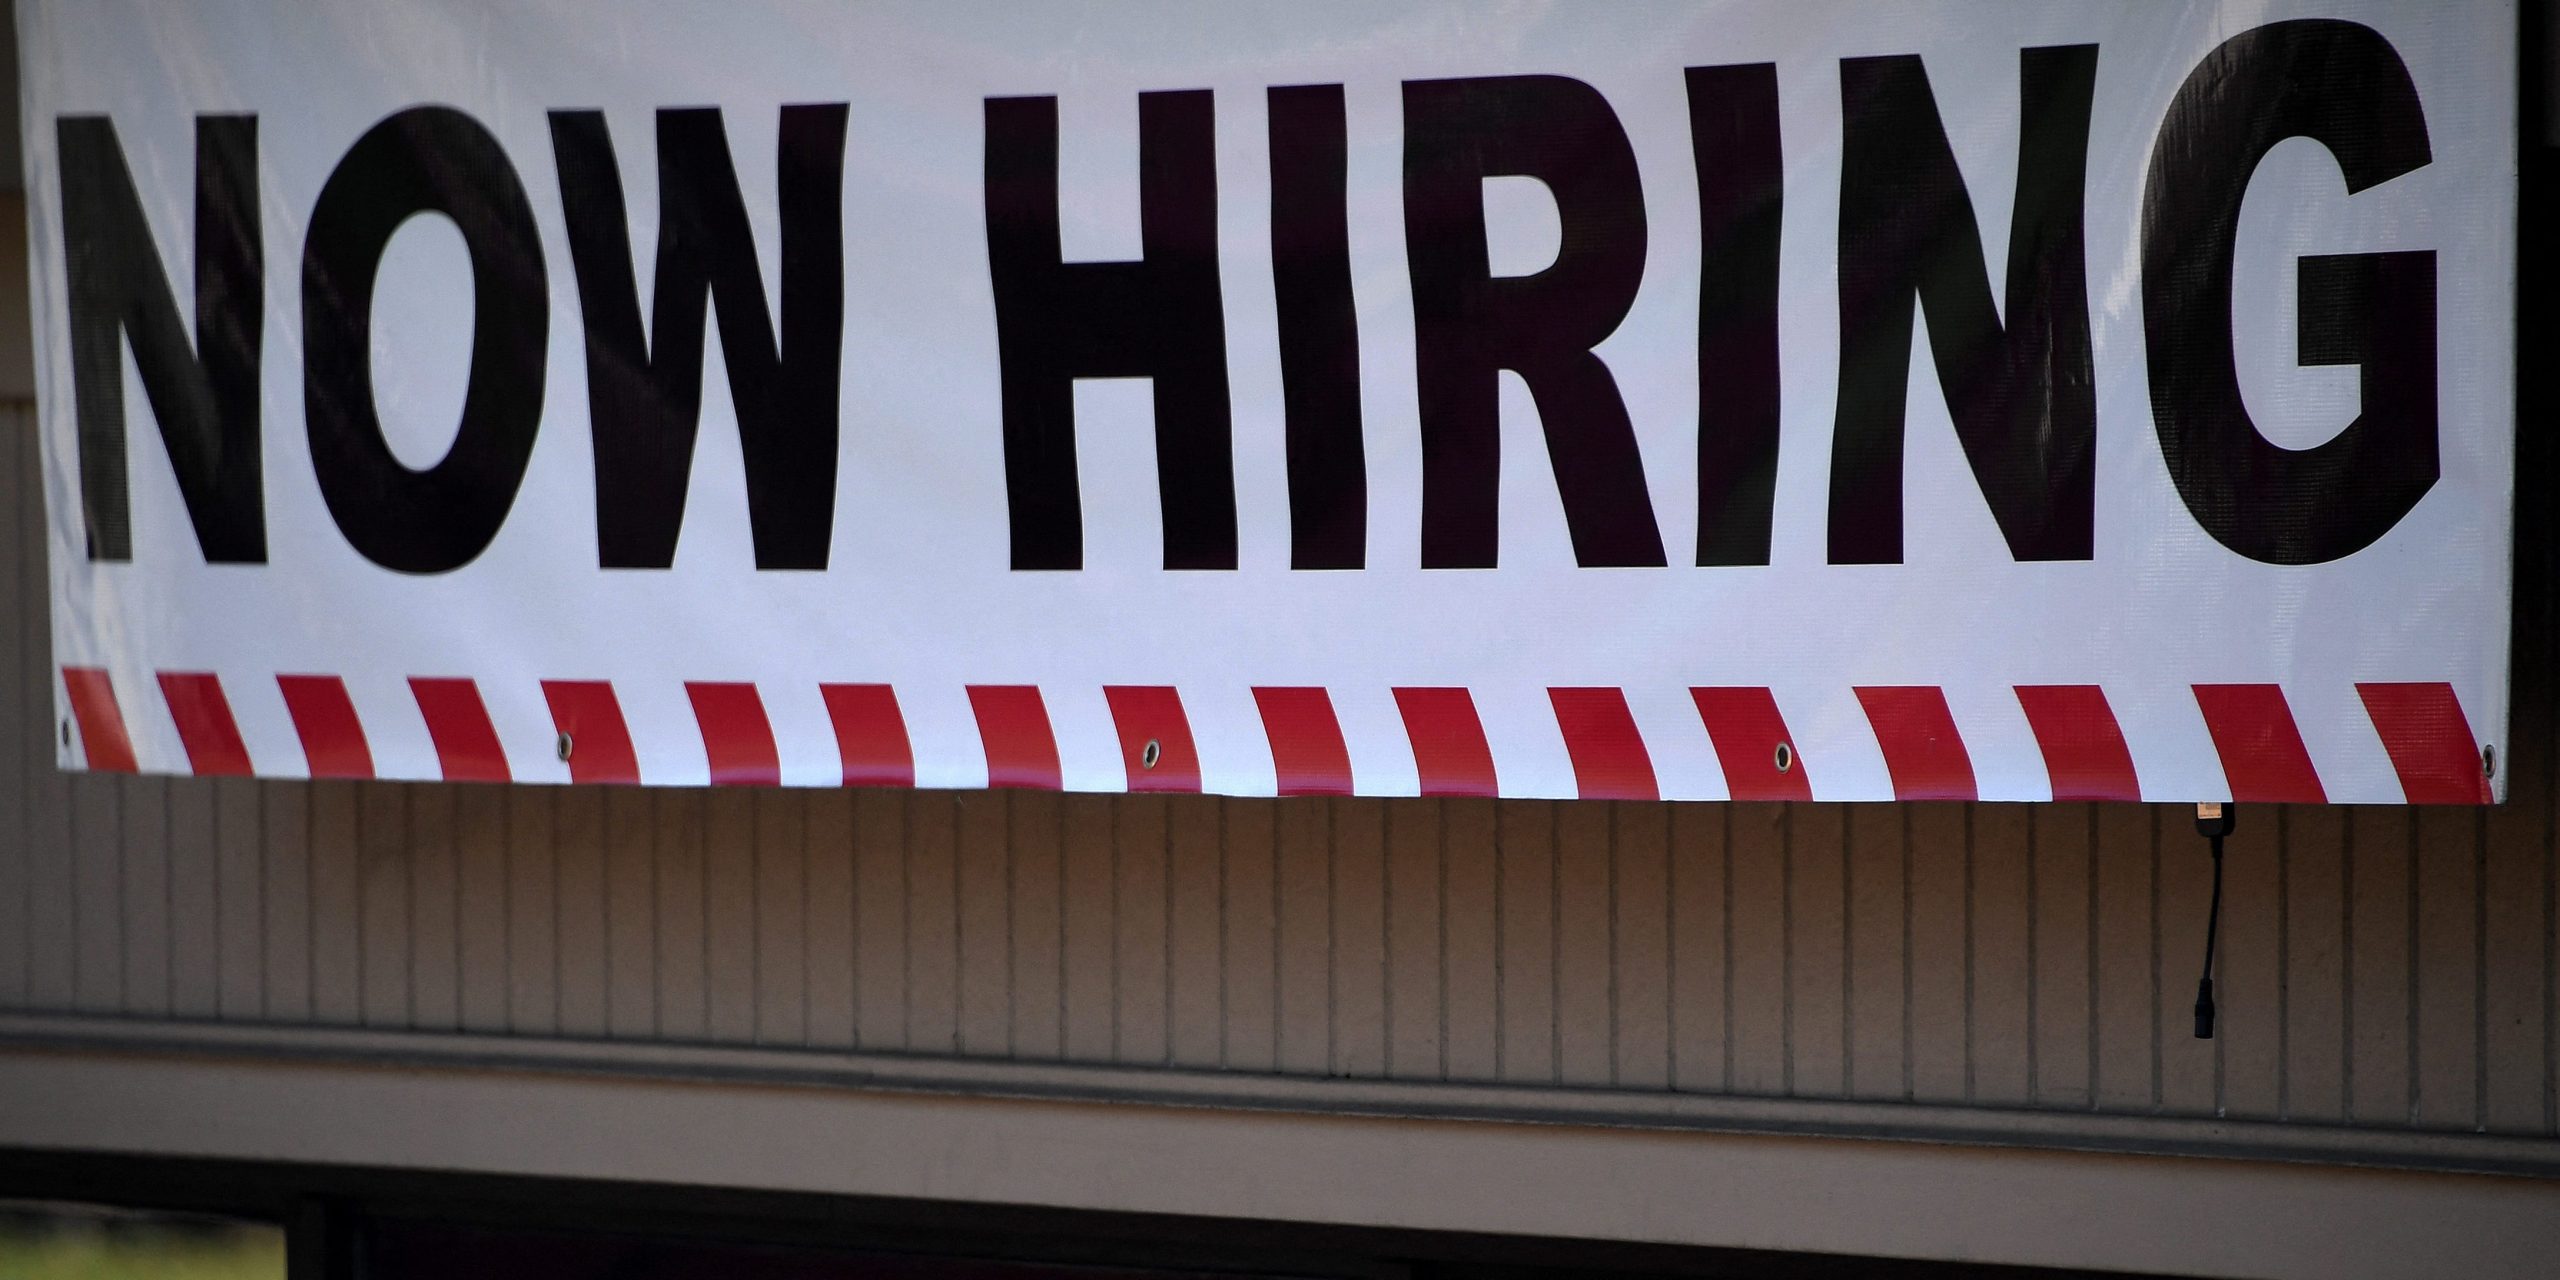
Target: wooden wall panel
pixel 1819 869
pixel 1937 851
pixel 2517 921
pixel 285 900
pixel 1088 893
pixel 2000 957
pixel 2062 928
pixel 337 897
pixel 1878 998
pixel 881 907
pixel 631 912
pixel 140 918
pixel 1524 904
pixel 1701 952
pixel 2122 1012
pixel 1359 961
pixel 2450 969
pixel 531 912
pixel 1415 984
pixel 1249 994
pixel 1471 938
pixel 1583 960
pixel 2381 969
pixel 21 725
pixel 97 894
pixel 2251 985
pixel 728 906
pixel 933 920
pixel 195 900
pixel 480 907
pixel 1756 950
pixel 778 942
pixel 984 918
pixel 435 976
pixel 579 905
pixel 1196 935
pixel 2314 1045
pixel 1142 852
pixel 1640 962
pixel 2382 932
pixel 1034 871
pixel 383 876
pixel 241 912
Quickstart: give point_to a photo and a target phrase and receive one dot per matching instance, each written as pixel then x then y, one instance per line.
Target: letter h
pixel 1160 317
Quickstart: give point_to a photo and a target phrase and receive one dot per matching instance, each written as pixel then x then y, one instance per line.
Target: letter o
pixel 426 159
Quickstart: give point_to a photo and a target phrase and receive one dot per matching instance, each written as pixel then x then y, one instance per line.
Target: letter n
pixel 2023 395
pixel 204 394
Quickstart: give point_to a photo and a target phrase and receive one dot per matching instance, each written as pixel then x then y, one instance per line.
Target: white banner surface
pixel 1751 399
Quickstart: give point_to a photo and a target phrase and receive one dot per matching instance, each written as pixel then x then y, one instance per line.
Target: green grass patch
pixel 88 1255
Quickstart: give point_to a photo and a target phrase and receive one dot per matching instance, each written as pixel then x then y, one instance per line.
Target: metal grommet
pixel 1149 754
pixel 1785 757
pixel 563 746
pixel 66 735
pixel 2489 761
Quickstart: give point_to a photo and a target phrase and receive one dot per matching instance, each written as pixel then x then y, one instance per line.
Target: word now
pixel 2021 394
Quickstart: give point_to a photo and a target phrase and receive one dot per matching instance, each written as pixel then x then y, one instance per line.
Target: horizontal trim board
pixel 2046 1129
pixel 1912 1200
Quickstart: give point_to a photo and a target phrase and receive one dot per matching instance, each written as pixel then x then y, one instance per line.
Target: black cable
pixel 2213 822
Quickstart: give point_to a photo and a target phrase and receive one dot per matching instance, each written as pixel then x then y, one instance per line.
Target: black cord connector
pixel 2213 822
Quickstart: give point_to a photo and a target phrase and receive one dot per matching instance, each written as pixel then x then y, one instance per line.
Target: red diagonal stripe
pixel 1153 714
pixel 205 726
pixel 1745 726
pixel 1014 726
pixel 2430 742
pixel 2084 749
pixel 871 735
pixel 1609 759
pixel 1307 751
pixel 466 743
pixel 736 737
pixel 1449 750
pixel 599 740
pixel 324 717
pixel 2261 749
pixel 103 740
pixel 1922 749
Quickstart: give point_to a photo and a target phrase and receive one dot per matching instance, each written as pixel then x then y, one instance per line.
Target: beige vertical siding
pixel 2385 970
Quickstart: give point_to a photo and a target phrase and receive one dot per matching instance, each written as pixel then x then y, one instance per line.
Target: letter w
pixel 645 398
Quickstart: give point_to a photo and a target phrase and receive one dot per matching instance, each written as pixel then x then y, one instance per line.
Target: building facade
pixel 1302 1036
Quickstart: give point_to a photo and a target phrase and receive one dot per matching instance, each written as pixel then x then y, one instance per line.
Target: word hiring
pixel 2021 394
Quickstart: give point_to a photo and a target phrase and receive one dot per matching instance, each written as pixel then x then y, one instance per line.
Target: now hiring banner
pixel 1757 399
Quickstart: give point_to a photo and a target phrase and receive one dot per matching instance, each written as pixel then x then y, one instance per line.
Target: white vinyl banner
pixel 1750 399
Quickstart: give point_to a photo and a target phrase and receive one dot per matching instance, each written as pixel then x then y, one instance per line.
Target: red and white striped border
pixel 2085 756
